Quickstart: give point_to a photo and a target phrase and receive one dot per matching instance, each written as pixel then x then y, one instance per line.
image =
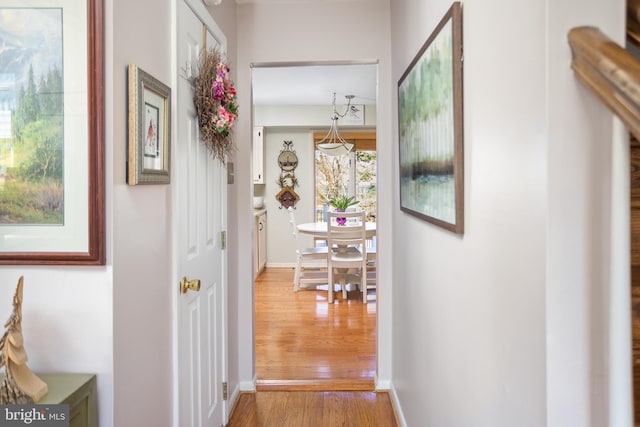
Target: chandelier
pixel 333 144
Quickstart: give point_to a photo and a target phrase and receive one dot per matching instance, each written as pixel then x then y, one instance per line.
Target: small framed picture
pixel 149 151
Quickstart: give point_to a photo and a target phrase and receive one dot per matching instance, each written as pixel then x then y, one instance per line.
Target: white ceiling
pixel 314 84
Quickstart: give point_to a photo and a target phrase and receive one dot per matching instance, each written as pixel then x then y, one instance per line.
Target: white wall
pixel 468 314
pixel 142 282
pixel 506 325
pixel 281 245
pixel 581 283
pixel 278 32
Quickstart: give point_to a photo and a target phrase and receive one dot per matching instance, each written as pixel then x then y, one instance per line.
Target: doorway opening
pixel 292 103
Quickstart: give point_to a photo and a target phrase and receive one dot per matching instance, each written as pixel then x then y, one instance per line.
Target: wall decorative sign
pixel 52 139
pixel 430 128
pixel 288 162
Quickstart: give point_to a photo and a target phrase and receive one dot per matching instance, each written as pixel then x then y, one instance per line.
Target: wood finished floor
pixel 315 362
pixel 305 343
pixel 313 409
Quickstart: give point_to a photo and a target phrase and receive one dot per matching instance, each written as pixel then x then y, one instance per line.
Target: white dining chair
pixel 348 245
pixel 372 271
pixel 311 262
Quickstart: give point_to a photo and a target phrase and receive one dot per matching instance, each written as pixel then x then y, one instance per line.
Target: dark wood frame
pixel 95 254
pixel 453 15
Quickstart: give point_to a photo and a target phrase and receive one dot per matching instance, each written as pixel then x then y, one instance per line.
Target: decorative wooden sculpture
pixel 19 384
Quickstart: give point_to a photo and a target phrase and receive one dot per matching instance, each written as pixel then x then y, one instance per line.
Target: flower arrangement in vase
pixel 341 203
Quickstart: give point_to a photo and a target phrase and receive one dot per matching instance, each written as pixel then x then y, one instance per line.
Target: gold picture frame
pixel 149 141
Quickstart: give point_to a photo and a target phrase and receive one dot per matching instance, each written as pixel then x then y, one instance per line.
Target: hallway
pixel 313 409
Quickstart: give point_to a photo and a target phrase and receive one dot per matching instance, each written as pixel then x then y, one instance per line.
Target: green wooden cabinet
pixel 79 391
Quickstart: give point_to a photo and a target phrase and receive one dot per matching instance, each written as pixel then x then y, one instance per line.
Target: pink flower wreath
pixel 215 99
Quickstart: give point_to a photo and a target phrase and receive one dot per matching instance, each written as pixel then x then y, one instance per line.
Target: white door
pixel 200 200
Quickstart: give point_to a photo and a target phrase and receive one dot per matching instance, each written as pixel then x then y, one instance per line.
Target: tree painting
pixel 31 116
pixel 427 131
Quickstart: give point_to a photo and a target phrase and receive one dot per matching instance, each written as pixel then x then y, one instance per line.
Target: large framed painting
pixel 52 132
pixel 430 128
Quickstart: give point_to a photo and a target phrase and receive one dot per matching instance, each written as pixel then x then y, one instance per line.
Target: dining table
pixel 319 229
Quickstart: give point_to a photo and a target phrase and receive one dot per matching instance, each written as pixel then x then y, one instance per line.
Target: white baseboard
pixel 243 386
pixel 248 385
pixel 383 385
pixel 281 265
pixel 308 264
pixel 396 406
pixel 231 403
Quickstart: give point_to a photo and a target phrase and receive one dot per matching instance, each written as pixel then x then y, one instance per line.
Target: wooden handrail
pixel 633 9
pixel 611 72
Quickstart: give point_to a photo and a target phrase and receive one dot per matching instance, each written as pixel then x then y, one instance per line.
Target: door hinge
pixel 223 240
pixel 224 390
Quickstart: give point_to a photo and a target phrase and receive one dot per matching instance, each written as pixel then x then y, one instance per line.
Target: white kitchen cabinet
pixel 260 242
pixel 258 155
